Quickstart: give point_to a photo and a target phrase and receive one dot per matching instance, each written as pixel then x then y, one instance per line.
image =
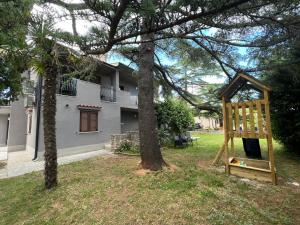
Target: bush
pixel 173 117
pixel 285 103
pixel 165 138
pixel 127 147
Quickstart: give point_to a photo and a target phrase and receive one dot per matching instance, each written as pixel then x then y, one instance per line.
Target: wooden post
pixel 252 125
pixel 232 146
pixel 259 119
pixel 230 123
pixel 225 116
pixel 237 119
pixel 269 137
pixel 245 129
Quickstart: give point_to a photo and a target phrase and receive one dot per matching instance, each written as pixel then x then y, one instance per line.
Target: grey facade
pixel 129 120
pixel 3 128
pixel 115 98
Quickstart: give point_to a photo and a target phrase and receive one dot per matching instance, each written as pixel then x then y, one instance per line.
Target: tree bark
pixel 49 111
pixel 149 145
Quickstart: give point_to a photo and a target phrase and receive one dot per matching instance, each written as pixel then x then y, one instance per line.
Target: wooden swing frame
pixel 254 118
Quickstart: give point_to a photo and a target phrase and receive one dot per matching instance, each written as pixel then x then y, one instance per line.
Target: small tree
pixel 174 116
pixel 285 102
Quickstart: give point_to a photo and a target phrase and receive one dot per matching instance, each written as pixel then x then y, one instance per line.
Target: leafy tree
pixel 285 101
pixel 174 116
pixel 16 55
pixel 14 18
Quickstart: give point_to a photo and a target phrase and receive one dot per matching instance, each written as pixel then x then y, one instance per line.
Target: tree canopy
pixel 14 18
pixel 285 102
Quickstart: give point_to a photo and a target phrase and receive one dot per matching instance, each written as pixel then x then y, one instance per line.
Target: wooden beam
pixel 237 118
pixel 245 129
pixel 219 155
pixel 225 116
pixel 252 123
pixel 269 137
pixel 259 119
pixel 230 123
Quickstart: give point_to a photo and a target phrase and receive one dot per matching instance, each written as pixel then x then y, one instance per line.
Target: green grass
pixel 108 191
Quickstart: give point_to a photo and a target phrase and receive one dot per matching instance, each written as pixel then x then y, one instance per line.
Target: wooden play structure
pixel 248 120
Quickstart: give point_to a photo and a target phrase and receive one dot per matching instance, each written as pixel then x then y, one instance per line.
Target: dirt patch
pixel 57 205
pixel 173 168
pixel 204 164
pixel 142 172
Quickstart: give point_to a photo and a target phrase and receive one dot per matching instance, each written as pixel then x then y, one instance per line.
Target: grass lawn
pixel 108 191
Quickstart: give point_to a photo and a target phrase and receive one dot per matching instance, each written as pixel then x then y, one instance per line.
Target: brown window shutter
pixel 84 121
pixel 88 121
pixel 93 121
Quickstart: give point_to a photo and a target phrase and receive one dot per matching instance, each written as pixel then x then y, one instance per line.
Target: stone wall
pixel 118 139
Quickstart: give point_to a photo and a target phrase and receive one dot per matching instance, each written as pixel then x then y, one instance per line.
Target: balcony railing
pixel 28 87
pixel 108 93
pixel 127 99
pixel 66 86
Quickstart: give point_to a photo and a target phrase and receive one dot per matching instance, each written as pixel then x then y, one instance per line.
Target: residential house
pixel 207 122
pixel 87 113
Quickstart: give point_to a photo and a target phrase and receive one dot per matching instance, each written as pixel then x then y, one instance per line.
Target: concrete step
pixel 3 156
pixel 107 147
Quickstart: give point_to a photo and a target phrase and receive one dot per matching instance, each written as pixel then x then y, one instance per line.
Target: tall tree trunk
pixel 49 111
pixel 149 145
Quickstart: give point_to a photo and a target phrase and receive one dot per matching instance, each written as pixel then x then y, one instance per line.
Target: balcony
pixel 28 87
pixel 127 99
pixel 108 93
pixel 66 86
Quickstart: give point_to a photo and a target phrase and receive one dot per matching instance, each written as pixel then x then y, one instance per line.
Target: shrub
pixel 174 116
pixel 165 138
pixel 127 147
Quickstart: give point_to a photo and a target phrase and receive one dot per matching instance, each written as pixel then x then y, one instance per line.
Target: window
pixel 88 120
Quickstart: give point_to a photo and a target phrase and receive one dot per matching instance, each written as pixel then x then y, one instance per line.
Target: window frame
pixel 89 120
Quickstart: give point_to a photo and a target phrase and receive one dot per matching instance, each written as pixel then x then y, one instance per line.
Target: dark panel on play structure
pixel 252 148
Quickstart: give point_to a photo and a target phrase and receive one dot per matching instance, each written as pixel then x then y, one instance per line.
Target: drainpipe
pixel 38 117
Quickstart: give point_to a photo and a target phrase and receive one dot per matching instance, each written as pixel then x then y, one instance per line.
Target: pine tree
pixel 122 22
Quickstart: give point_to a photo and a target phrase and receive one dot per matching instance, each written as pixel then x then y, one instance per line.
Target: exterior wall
pixel 69 138
pixel 107 80
pixel 129 87
pixel 129 97
pixel 17 126
pixel 30 137
pixel 207 123
pixel 129 121
pixel 3 129
pixel 126 100
pixel 118 139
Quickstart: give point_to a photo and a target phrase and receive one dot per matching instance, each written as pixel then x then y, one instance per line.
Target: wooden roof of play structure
pixel 239 81
pixel 247 120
